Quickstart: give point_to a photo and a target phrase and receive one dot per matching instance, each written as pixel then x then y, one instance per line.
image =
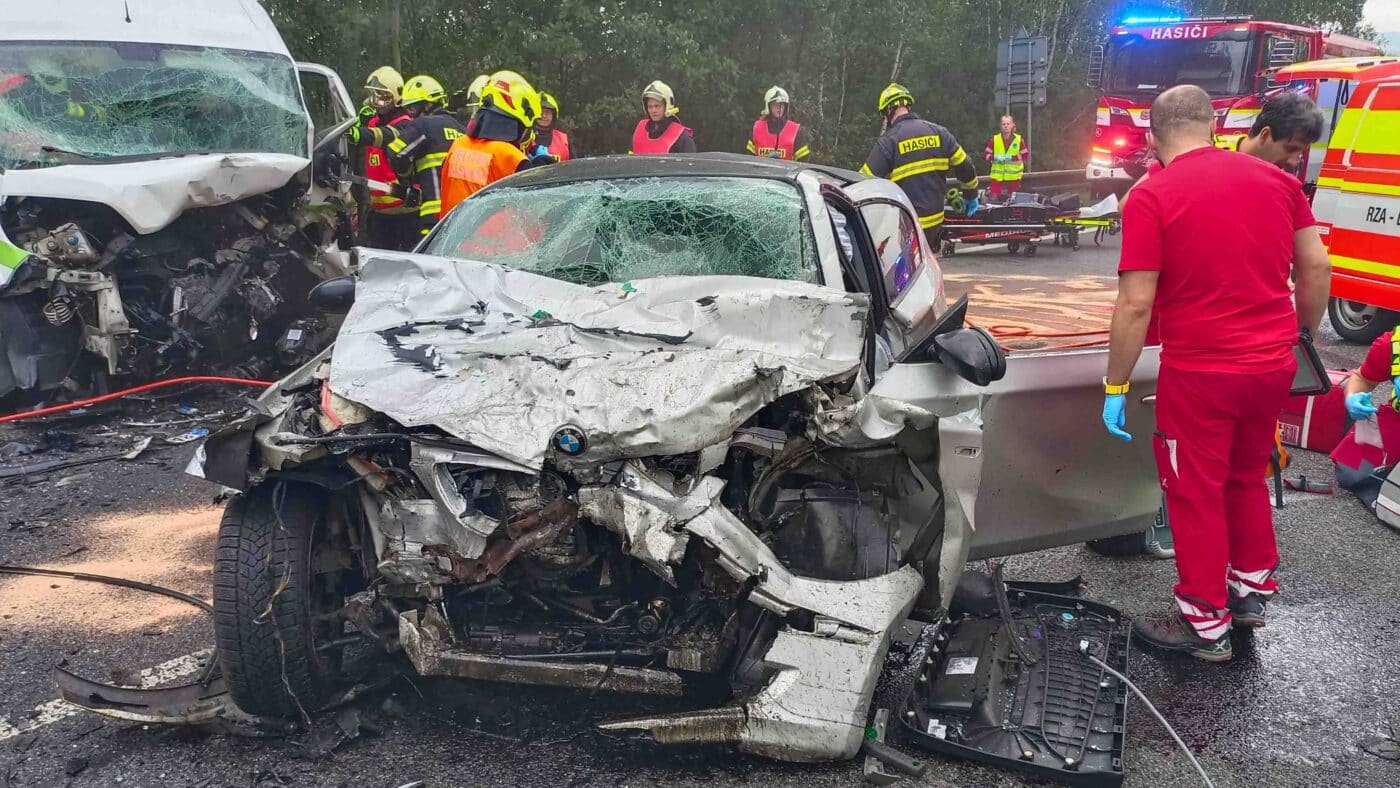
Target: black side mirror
pixel 335 295
pixel 973 354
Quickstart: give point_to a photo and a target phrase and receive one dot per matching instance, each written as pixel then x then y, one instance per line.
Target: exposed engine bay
pixel 220 288
pixel 742 545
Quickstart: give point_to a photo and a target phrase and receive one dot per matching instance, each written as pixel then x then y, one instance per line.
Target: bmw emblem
pixel 571 441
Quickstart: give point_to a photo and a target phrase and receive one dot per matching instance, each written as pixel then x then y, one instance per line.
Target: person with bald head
pixel 1212 242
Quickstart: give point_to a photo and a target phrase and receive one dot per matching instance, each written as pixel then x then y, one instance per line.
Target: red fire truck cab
pixel 1235 59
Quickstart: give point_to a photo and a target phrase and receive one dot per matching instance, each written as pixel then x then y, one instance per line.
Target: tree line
pixel 832 56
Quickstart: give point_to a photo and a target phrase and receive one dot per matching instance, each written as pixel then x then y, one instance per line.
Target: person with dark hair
pixel 1287 126
pixel 1224 248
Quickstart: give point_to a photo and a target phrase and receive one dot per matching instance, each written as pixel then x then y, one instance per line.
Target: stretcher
pixel 1028 219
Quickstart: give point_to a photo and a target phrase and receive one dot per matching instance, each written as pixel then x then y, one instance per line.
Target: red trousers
pixel 1215 435
pixel 997 187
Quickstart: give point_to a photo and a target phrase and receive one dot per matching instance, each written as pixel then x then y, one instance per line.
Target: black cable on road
pixel 120 582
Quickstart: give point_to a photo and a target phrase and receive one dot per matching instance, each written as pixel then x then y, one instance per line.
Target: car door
pixel 1026 460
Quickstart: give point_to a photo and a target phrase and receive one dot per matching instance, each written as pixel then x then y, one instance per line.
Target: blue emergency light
pixel 1152 20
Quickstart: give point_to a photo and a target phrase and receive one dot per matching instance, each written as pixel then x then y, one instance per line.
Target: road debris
pixel 132 453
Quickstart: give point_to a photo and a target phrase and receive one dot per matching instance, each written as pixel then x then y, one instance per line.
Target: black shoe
pixel 1247 610
pixel 1171 631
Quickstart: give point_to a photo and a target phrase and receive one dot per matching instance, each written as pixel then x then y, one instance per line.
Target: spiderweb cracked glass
pixel 595 232
pixel 98 101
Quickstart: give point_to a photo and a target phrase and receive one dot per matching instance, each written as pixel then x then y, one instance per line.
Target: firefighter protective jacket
pixel 918 154
pixel 421 146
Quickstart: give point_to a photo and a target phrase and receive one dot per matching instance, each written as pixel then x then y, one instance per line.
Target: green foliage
pixel 721 55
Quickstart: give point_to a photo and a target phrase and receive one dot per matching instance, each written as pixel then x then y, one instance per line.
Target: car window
pixel 592 232
pixel 897 242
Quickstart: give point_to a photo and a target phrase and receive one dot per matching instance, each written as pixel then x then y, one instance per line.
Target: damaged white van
pixel 166 199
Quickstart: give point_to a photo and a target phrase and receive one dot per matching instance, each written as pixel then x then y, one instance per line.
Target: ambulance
pixel 1357 198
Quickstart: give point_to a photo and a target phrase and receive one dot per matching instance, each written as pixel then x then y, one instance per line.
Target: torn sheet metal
pixel 151 194
pixel 506 360
pixel 814 707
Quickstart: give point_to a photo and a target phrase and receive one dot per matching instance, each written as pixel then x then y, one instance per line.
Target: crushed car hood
pixel 150 194
pixel 521 365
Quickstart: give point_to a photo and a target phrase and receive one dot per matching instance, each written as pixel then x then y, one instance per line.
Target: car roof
pixel 697 165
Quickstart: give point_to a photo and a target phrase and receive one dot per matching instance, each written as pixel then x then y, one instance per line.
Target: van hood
pixel 150 194
pixel 523 365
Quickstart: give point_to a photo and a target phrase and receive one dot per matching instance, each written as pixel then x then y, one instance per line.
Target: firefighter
pixel 1225 251
pixel 392 222
pixel 491 149
pixel 465 103
pixel 1008 153
pixel 774 134
pixel 918 154
pixel 419 145
pixel 546 134
pixel 660 131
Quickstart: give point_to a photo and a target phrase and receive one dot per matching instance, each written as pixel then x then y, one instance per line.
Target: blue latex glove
pixel 970 206
pixel 1113 417
pixel 540 155
pixel 1359 406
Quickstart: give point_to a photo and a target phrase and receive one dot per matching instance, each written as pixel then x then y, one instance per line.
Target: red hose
pixel 82 403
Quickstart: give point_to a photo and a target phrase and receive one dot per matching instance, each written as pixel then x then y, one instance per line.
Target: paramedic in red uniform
pixel 1212 240
pixel 661 131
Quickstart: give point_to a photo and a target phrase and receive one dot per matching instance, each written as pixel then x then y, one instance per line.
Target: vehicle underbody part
pixel 187 704
pixel 220 287
pixel 1060 718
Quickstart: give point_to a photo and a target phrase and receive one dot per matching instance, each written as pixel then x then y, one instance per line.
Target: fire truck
pixel 1234 58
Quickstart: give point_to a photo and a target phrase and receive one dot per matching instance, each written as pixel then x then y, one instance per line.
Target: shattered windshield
pixel 592 232
pixel 62 103
pixel 1218 65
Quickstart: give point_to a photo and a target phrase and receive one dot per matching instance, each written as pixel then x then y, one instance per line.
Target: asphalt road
pixel 1288 711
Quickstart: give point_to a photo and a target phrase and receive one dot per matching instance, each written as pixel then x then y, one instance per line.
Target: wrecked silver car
pixel 695 426
pixel 157 206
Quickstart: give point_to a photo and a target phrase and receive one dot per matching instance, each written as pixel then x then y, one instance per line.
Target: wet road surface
pixel 1288 711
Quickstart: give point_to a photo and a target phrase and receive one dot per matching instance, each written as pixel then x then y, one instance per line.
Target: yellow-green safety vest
pixel 1007 170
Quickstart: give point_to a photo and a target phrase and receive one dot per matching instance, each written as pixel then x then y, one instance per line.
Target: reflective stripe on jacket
pixel 763 142
pixel 642 144
pixel 917 154
pixel 1007 170
pixel 425 141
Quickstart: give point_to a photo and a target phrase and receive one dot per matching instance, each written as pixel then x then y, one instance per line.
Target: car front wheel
pixel 271 604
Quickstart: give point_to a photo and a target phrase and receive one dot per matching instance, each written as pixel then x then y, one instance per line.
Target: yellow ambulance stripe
pixel 1365 266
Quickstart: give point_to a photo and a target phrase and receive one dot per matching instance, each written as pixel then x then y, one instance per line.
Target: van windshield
pixel 65 103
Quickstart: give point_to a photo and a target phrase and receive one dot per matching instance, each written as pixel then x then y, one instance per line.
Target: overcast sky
pixel 1384 15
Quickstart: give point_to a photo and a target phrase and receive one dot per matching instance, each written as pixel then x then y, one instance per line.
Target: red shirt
pixel 1219 227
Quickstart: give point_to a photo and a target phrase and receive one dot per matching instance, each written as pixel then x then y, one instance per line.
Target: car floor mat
pixel 1052 714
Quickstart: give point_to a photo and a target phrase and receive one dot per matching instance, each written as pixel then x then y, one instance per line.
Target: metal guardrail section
pixel 1066 178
